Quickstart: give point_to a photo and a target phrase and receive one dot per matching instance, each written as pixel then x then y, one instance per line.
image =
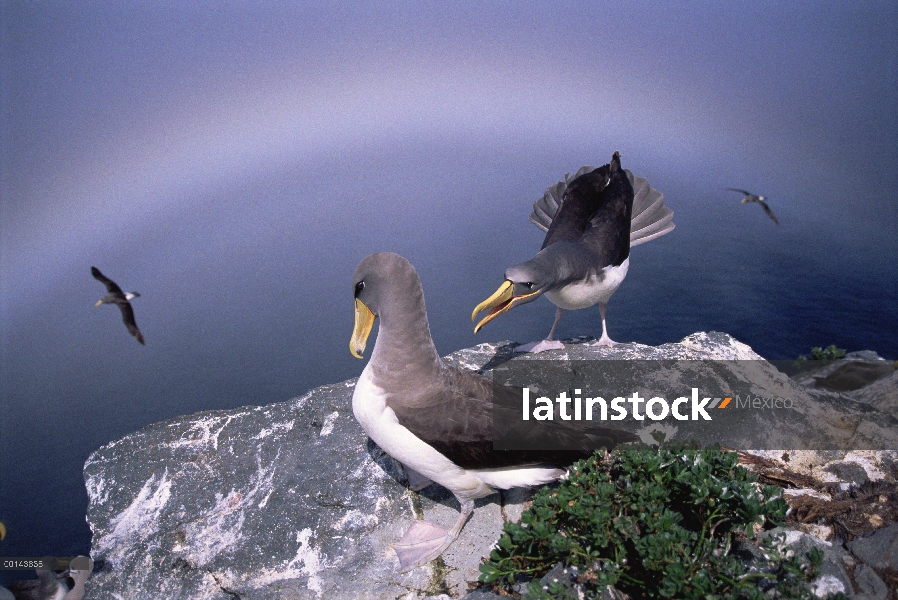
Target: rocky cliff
pixel 291 500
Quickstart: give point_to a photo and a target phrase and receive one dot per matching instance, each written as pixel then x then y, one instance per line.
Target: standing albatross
pixel 435 419
pixel 117 296
pixel 591 221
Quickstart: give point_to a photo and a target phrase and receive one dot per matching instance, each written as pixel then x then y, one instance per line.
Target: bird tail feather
pixel 650 219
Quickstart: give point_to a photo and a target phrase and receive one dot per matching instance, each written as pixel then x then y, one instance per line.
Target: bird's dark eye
pixel 359 287
pixel 529 285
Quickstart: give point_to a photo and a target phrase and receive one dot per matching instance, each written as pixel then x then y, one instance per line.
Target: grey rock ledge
pixel 291 500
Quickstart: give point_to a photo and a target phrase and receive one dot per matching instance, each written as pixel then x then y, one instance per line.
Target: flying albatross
pixel 435 419
pixel 117 296
pixel 749 197
pixel 591 221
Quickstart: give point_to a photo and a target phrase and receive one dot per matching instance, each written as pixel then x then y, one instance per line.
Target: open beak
pixel 364 321
pixel 502 300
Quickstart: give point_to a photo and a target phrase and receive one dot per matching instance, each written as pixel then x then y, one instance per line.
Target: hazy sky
pixel 120 118
pixel 233 162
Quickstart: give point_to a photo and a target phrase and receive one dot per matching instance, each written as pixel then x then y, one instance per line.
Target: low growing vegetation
pixel 655 523
pixel 831 352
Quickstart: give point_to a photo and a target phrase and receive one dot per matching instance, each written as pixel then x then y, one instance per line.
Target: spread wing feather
pixel 128 318
pixel 650 219
pixel 111 286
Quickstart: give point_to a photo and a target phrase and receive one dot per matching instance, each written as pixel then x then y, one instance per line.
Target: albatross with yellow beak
pixel 591 221
pixel 433 418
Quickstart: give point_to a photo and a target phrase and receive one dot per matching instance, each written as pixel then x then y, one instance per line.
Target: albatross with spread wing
pixel 120 298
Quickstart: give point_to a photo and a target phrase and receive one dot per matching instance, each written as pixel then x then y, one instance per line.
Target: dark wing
pixel 768 211
pixel 545 209
pixel 740 191
pixel 650 217
pixel 111 286
pixel 582 198
pixel 455 416
pixel 128 318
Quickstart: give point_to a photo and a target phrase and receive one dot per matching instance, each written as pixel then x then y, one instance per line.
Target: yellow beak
pixel 99 302
pixel 501 301
pixel 364 321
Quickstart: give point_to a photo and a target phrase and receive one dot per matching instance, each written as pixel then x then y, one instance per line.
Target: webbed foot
pixel 421 543
pixel 541 346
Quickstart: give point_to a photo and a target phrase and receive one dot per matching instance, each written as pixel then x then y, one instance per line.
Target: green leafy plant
pixel 655 523
pixel 831 352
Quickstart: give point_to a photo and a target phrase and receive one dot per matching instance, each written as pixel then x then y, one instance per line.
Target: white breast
pixel 592 290
pixel 380 423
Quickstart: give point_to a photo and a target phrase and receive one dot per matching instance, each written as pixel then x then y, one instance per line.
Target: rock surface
pixel 879 550
pixel 863 375
pixel 291 500
pixel 882 394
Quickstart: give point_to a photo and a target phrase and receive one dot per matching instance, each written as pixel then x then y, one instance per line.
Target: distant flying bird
pixel 591 222
pixel 749 197
pixel 117 296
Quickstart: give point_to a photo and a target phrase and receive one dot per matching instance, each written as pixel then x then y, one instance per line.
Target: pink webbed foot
pixel 541 346
pixel 550 343
pixel 605 341
pixel 421 543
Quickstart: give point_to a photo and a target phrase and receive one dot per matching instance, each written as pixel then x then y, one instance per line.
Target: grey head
pixel 381 278
pixel 553 267
pixel 386 286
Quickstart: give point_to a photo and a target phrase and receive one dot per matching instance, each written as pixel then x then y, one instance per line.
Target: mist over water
pixel 234 167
